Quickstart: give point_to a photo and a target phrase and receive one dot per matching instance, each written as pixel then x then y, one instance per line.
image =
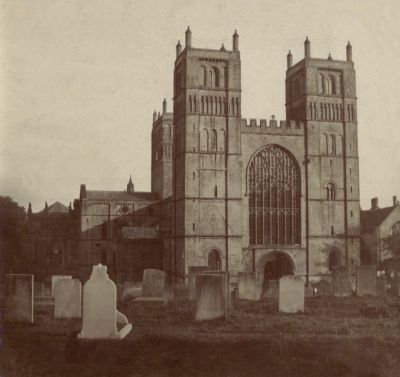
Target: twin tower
pixel 275 199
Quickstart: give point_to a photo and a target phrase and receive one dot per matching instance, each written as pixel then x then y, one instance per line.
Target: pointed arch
pixel 273 179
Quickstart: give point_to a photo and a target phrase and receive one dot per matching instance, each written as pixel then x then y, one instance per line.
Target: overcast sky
pixel 80 80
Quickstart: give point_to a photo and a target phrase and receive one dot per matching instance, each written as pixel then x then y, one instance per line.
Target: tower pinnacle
pixel 307 49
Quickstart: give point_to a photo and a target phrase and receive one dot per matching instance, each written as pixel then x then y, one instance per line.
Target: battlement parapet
pixel 272 126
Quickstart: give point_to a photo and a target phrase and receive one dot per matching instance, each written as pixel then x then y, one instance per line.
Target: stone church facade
pixel 275 197
pixel 268 196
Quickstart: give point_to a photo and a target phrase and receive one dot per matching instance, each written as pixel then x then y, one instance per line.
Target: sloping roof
pixel 120 195
pixel 371 218
pixel 56 207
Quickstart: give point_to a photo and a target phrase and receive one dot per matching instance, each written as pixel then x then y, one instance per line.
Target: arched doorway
pixel 214 260
pixel 276 265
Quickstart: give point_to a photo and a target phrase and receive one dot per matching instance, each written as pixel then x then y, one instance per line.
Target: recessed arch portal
pixel 273 178
pixel 214 260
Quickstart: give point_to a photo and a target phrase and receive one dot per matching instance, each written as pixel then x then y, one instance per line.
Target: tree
pixel 12 223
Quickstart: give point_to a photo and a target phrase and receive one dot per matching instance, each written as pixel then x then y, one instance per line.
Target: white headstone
pixel 19 298
pixel 55 278
pixel 67 298
pixel 291 294
pixel 212 296
pixel 100 315
pixel 192 272
pixel 248 288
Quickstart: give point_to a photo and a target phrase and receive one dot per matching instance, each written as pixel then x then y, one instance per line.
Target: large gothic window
pixel 274 197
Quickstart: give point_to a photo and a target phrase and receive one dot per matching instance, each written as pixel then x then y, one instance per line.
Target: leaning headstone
pixel 67 298
pixel 100 314
pixel 193 271
pixel 291 294
pixel 341 281
pixel 19 298
pixel 153 283
pixel 366 280
pixel 55 278
pixel 381 286
pixel 324 288
pixel 247 286
pixel 211 296
pixel 272 290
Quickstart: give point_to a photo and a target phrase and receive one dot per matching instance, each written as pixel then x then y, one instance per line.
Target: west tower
pixel 322 94
pixel 207 159
pixel 161 153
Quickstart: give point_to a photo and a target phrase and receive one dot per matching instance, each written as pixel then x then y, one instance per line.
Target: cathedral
pixel 268 196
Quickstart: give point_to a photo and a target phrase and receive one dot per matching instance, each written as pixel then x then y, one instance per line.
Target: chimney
pixel 164 106
pixel 395 202
pixel 374 204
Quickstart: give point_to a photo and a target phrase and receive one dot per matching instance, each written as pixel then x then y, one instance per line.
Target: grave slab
pixel 341 281
pixel 247 286
pixel 193 271
pixel 67 298
pixel 366 280
pixel 19 298
pixel 211 296
pixel 153 283
pixel 291 294
pixel 55 278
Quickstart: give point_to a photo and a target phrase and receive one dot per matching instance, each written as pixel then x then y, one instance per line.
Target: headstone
pixel 341 281
pixel 19 298
pixel 67 298
pixel 193 271
pixel 38 288
pixel 247 286
pixel 366 280
pixel 153 283
pixel 272 290
pixel 55 278
pixel 181 292
pixel 291 294
pixel 131 289
pixel 100 314
pixel 324 288
pixel 381 286
pixel 211 296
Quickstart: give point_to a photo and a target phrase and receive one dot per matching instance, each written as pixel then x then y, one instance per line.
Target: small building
pixel 380 237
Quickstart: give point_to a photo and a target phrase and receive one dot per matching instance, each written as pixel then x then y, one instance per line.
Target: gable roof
pixel 371 219
pixel 56 207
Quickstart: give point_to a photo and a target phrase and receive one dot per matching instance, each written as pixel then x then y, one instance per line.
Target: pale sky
pixel 80 81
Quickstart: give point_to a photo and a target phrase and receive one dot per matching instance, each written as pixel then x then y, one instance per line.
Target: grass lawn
pixel 334 337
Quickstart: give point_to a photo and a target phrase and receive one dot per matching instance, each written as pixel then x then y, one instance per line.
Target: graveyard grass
pixel 334 337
